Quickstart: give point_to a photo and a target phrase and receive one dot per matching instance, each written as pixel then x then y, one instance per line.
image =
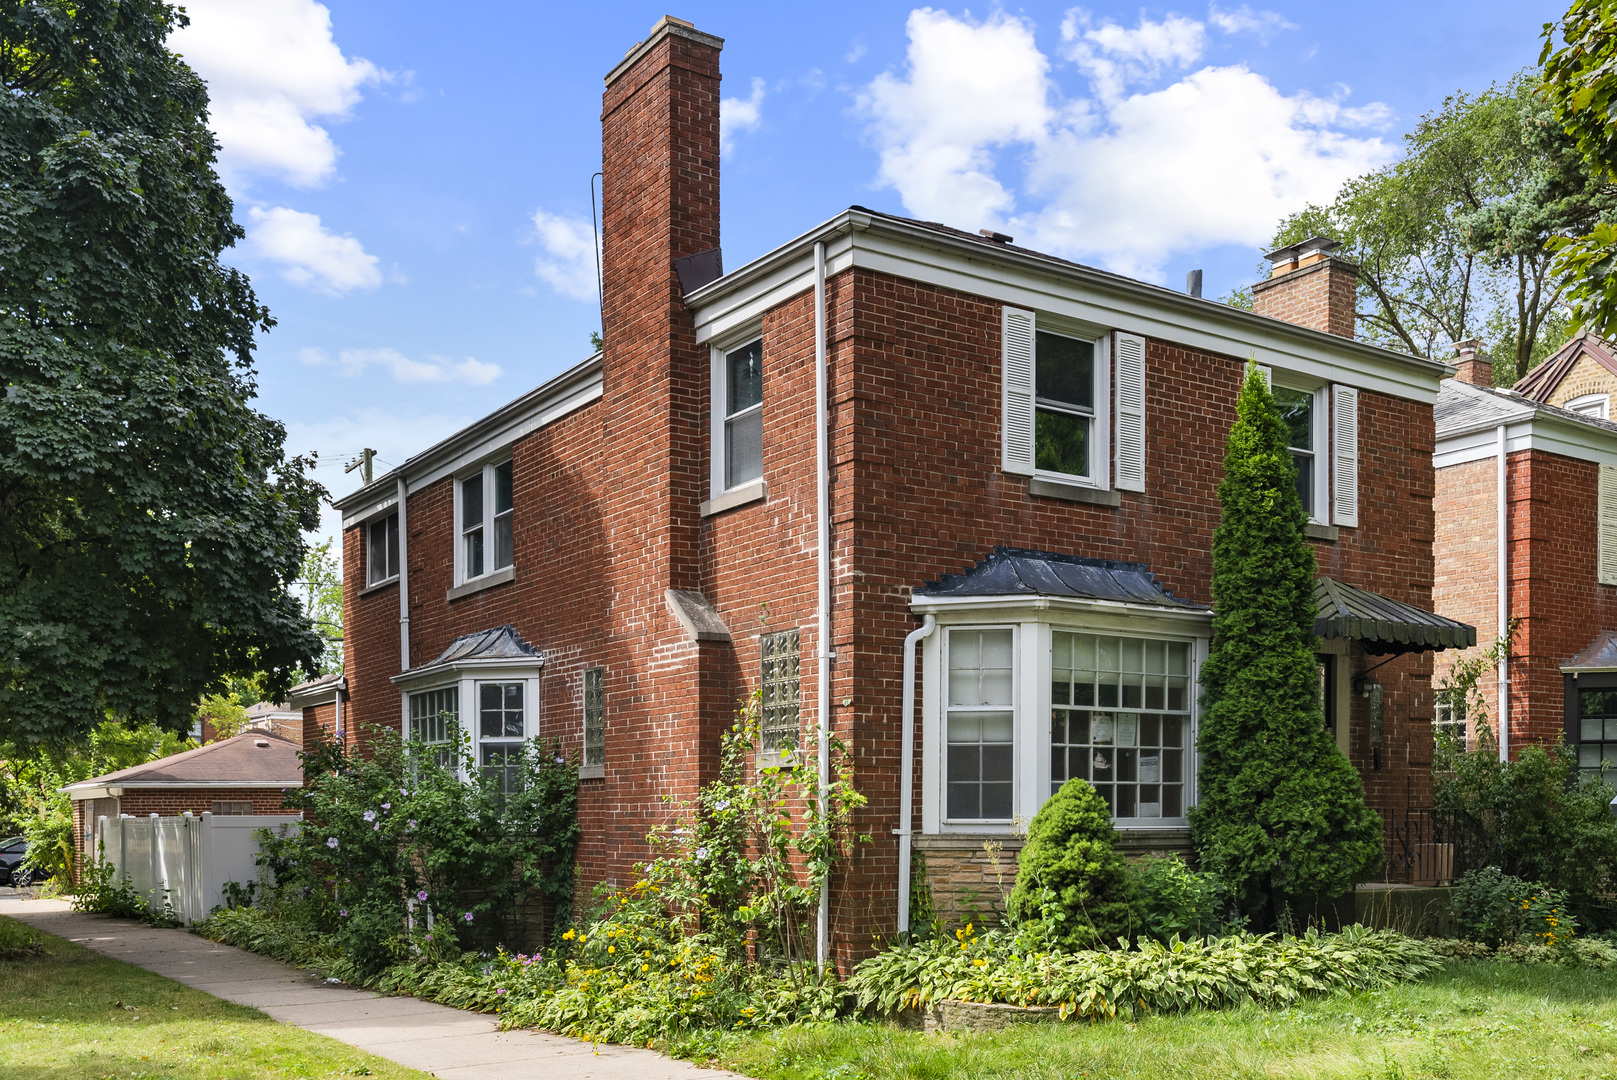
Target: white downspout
pixel 1504 597
pixel 822 466
pixel 404 579
pixel 906 780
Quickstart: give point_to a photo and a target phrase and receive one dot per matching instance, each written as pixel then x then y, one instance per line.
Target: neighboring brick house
pixel 1557 471
pixel 1581 377
pixel 619 556
pixel 246 774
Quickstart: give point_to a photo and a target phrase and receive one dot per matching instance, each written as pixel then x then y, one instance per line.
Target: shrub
pixel 1071 884
pixel 18 940
pixel 1175 901
pixel 1281 812
pixel 1541 819
pixel 103 891
pixel 1494 908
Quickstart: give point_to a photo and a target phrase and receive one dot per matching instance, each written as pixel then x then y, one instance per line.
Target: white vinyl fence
pixel 188 858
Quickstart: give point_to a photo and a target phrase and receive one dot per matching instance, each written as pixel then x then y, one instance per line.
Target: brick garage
pixel 629 554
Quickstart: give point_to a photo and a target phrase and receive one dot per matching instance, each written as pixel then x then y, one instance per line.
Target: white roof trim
pixel 487 437
pixel 1087 296
pixel 941 605
pixel 99 791
pixel 1536 431
pixel 495 665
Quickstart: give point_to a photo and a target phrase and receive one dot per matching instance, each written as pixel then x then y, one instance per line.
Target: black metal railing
pixel 1428 846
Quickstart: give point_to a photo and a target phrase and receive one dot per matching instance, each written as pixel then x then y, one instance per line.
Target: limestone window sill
pixel 487 581
pixel 756 491
pixel 592 772
pixel 1066 491
pixel 1315 531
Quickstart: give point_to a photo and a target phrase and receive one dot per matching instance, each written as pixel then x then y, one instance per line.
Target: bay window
pixel 980 725
pixel 501 730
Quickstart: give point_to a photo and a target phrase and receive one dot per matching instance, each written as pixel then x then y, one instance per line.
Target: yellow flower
pixel 645 967
pixel 611 948
pixel 570 935
pixel 979 961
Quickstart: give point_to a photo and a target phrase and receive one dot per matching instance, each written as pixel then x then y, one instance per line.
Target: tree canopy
pixel 150 521
pixel 1281 813
pixel 1451 239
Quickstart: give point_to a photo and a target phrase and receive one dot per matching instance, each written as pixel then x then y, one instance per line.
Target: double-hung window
pixel 382 550
pixel 1064 405
pixel 739 457
pixel 1300 413
pixel 501 728
pixel 980 725
pixel 485 517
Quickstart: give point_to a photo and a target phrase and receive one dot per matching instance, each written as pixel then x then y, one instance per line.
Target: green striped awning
pixel 1381 625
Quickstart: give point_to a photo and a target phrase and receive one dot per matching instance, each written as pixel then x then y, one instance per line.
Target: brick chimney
pixel 1310 287
pixel 1475 365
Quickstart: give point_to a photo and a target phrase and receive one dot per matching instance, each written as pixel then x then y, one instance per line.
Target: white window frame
pixel 466 679
pixel 718 402
pixel 1100 432
pixel 1017 738
pixel 1034 620
pixel 486 472
pixel 370 559
pixel 1601 404
pixel 1320 512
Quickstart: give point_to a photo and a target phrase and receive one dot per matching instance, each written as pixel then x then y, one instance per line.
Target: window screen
pixel 1296 409
pixel 744 414
pixel 980 724
pixel 502 516
pixel 382 554
pixel 1121 720
pixel 1064 403
pixel 595 716
pixel 779 681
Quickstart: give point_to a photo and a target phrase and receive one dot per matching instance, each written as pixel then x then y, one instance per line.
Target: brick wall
pixel 1320 296
pixel 1587 376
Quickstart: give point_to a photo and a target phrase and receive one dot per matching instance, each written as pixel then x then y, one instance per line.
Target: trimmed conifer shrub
pixel 1069 875
pixel 1281 815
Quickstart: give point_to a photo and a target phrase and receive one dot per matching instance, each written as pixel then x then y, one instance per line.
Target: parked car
pixel 12 853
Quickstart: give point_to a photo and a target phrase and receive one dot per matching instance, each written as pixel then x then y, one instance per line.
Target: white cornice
pixel 435 673
pixel 1088 296
pixel 922 604
pixel 1536 431
pixel 484 438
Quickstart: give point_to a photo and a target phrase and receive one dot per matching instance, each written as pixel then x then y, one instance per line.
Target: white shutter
pixel 1606 527
pixel 1130 375
pixel 1016 391
pixel 1345 456
pixel 1268 376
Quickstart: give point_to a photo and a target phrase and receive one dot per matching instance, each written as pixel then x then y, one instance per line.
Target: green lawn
pixel 71 1014
pixel 1483 1021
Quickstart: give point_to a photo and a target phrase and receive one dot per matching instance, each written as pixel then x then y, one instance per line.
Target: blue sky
pixel 414 178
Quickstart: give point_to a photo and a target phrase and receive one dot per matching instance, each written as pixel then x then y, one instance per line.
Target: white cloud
pixel 1243 20
pixel 568 264
pixel 740 114
pixel 1126 174
pixel 971 87
pixel 272 68
pixel 435 369
pixel 308 254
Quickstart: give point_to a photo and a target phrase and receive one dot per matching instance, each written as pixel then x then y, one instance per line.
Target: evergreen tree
pixel 1070 859
pixel 1281 812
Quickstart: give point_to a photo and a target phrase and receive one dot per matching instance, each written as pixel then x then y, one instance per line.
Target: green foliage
pixel 1175 977
pixel 1542 820
pixel 396 839
pixel 150 519
pixel 103 891
pixel 18 940
pixel 1495 909
pixel 1175 901
pixel 1282 812
pixel 1450 240
pixel 320 586
pixel 1071 886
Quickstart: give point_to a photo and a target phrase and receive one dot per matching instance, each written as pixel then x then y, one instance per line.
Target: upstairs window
pixel 485 515
pixel 1064 404
pixel 1299 413
pixel 382 550
pixel 743 400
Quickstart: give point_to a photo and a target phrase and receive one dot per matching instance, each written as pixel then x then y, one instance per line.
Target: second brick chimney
pixel 1310 287
pixel 1475 367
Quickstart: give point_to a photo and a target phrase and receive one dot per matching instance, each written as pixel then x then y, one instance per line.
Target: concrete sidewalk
pixel 447 1042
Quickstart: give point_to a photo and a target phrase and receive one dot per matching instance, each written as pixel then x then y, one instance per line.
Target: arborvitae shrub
pixel 1069 860
pixel 1281 815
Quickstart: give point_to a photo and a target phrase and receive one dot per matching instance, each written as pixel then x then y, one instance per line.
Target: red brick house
pixel 1527 513
pixel 882 436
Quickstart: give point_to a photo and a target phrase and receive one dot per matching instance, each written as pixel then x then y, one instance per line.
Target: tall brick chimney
pixel 1310 287
pixel 1475 365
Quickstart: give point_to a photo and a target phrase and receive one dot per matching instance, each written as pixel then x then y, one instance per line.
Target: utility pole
pixel 363 464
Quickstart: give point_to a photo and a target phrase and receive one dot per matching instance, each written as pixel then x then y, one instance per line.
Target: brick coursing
pixel 1319 296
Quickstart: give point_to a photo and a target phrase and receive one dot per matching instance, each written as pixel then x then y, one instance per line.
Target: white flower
pixel 331 841
pixel 370 815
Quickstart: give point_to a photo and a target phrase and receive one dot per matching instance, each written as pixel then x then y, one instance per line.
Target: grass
pixel 1480 1020
pixel 67 1013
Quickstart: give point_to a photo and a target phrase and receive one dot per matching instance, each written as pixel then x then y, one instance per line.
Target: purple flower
pixel 377 827
pixel 370 815
pixel 387 806
pixel 331 841
pixel 343 912
pixel 411 823
pixel 422 895
pixel 429 937
pixel 501 990
pixel 468 916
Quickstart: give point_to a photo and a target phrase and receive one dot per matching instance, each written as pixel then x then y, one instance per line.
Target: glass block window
pixel 434 716
pixel 781 720
pixel 980 726
pixel 1597 733
pixel 595 716
pixel 1120 718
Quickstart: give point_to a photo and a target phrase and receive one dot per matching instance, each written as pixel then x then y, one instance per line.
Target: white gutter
pixel 822 481
pixel 404 579
pixel 1504 596
pixel 906 782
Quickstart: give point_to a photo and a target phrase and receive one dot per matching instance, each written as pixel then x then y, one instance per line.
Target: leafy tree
pixel 320 586
pixel 150 522
pixel 1451 240
pixel 1070 880
pixel 1282 812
